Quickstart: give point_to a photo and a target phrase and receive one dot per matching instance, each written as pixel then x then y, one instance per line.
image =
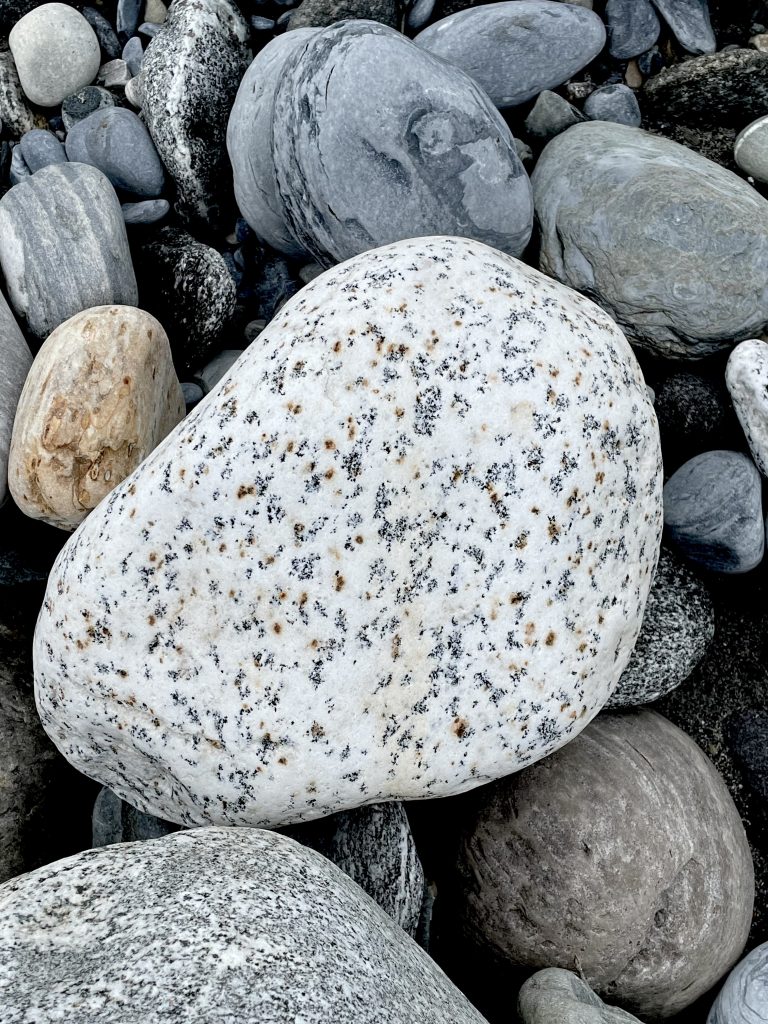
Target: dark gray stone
pixel 678 627
pixel 133 54
pixel 557 996
pixel 190 75
pixel 127 18
pixel 420 13
pixel 108 41
pixel 356 172
pixel 615 103
pixel 116 141
pixel 617 207
pixel 690 24
pixel 515 50
pixel 693 417
pixel 551 115
pixel 41 148
pixel 743 999
pixel 193 394
pixel 115 821
pixel 63 246
pixel 747 738
pixel 632 27
pixel 15 361
pixel 713 512
pixel 321 13
pixel 147 212
pixel 82 104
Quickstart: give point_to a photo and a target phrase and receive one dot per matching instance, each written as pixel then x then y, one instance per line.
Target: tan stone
pixel 101 394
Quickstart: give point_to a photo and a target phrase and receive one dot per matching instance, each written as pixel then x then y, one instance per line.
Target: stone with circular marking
pixel 403 549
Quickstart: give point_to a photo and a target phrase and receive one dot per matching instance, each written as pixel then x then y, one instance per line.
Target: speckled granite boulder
pixel 224 924
pixel 515 50
pixel 743 998
pixel 557 996
pixel 678 626
pixel 402 145
pixel 426 525
pixel 15 361
pixel 189 78
pixel 622 853
pixel 617 206
pixel 101 394
pixel 63 246
pixel 747 378
pixel 115 821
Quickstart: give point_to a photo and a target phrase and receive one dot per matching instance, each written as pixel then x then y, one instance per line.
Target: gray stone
pixel 115 821
pixel 693 417
pixel 259 24
pixel 678 627
pixel 746 376
pixel 56 52
pixel 82 104
pixel 133 54
pixel 750 150
pixel 63 246
pixel 622 853
pixel 115 74
pixel 690 24
pixel 41 148
pixel 134 92
pixel 116 141
pixel 515 50
pixel 151 28
pixel 190 75
pixel 321 13
pixel 616 103
pixel 747 741
pixel 212 924
pixel 551 115
pixel 356 172
pixel 127 17
pixel 557 996
pixel 713 512
pixel 108 41
pixel 193 394
pixel 14 112
pixel 15 361
pixel 633 27
pixel 217 368
pixel 18 170
pixel 617 207
pixel 420 13
pixel 743 999
pixel 150 211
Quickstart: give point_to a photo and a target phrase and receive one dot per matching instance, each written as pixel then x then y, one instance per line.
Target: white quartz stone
pixel 56 53
pixel 746 377
pixel 402 549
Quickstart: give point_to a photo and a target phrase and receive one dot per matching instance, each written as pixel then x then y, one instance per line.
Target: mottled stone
pixel 41 148
pixel 515 50
pixel 713 512
pixel 115 74
pixel 115 821
pixel 693 417
pixel 321 13
pixel 227 924
pixel 14 112
pixel 15 361
pixel 56 52
pixel 750 150
pixel 150 211
pixel 82 104
pixel 116 141
pixel 447 493
pixel 63 246
pixel 99 398
pixel 690 24
pixel 746 376
pixel 743 999
pixel 190 75
pixel 633 27
pixel 551 114
pixel 616 103
pixel 557 996
pixel 617 207
pixel 358 171
pixel 623 854
pixel 678 627
pixel 747 740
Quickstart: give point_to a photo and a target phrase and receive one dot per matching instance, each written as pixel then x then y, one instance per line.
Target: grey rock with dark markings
pixel 633 27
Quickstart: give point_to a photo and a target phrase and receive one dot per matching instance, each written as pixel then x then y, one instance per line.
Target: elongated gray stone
pixel 750 150
pixel 41 148
pixel 633 27
pixel 402 145
pixel 690 24
pixel 63 246
pixel 15 361
pixel 116 141
pixel 743 999
pixel 515 50
pixel 557 996
pixel 746 376
pixel 617 207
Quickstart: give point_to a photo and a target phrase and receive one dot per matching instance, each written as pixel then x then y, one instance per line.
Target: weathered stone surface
pixel 633 27
pixel 690 24
pixel 56 52
pixel 617 207
pixel 116 141
pixel 63 246
pixel 743 998
pixel 14 112
pixel 622 853
pixel 357 170
pixel 189 77
pixel 15 361
pixel 678 626
pixel 613 103
pixel 433 499
pixel 101 394
pixel 321 13
pixel 557 996
pixel 82 104
pixel 747 378
pixel 750 150
pixel 228 924
pixel 515 50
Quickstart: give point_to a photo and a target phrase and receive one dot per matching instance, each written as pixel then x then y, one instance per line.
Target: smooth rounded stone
pixel 151 28
pixel 515 50
pixel 358 171
pixel 616 206
pixel 190 75
pixel 116 141
pixel 747 740
pixel 63 246
pixel 283 21
pixel 56 52
pixel 419 14
pixel 746 377
pixel 678 627
pixel 134 92
pixel 82 104
pixel 743 999
pixel 633 27
pixel 621 853
pixel 217 368
pixel 14 112
pixel 713 512
pixel 750 151
pixel 616 103
pixel 148 212
pixel 100 396
pixel 108 41
pixel 344 504
pixel 224 924
pixel 115 74
pixel 557 996
pixel 18 169
pixel 249 143
pixel 259 24
pixel 193 394
pixel 127 18
pixel 693 416
pixel 115 821
pixel 321 13
pixel 689 23
pixel 15 361
pixel 133 55
pixel 41 148
pixel 550 115
pixel 155 11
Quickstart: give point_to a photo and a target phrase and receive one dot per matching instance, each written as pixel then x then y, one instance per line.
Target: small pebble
pixel 118 143
pixel 115 74
pixel 750 150
pixel 259 24
pixel 133 54
pixel 134 92
pixel 149 28
pixel 148 212
pixel 613 103
pixel 253 329
pixel 18 170
pixel 420 13
pixel 217 369
pixel 127 20
pixel 40 148
pixel 633 27
pixel 551 114
pixel 155 11
pixel 746 376
pixel 193 394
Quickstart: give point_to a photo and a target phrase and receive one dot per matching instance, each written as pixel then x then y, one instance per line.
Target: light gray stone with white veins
pixel 746 377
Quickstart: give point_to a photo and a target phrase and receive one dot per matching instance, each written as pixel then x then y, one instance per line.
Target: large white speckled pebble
pixel 402 549
pixel 746 377
pixel 212 925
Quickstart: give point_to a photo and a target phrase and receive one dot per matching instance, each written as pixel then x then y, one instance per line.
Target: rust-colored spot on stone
pixel 243 490
pixel 550 638
pixel 460 726
pixel 340 581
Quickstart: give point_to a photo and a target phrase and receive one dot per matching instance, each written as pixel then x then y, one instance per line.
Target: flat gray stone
pixel 746 376
pixel 41 148
pixel 358 171
pixel 690 24
pixel 616 103
pixel 150 211
pixel 116 141
pixel 750 150
pixel 743 999
pixel 133 54
pixel 556 996
pixel 83 103
pixel 15 361
pixel 633 27
pixel 551 115
pixel 617 207
pixel 211 925
pixel 115 74
pixel 514 50
pixel 63 246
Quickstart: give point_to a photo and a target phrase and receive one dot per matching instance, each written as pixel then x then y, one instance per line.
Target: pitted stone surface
pixel 209 926
pixel 402 548
pixel 556 996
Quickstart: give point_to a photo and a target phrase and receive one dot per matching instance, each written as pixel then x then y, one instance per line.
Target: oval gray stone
pixel 63 246
pixel 690 24
pixel 514 50
pixel 116 141
pixel 615 103
pixel 743 999
pixel 617 207
pixel 750 150
pixel 633 27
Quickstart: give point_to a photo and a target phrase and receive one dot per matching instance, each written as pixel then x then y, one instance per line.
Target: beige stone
pixel 101 394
